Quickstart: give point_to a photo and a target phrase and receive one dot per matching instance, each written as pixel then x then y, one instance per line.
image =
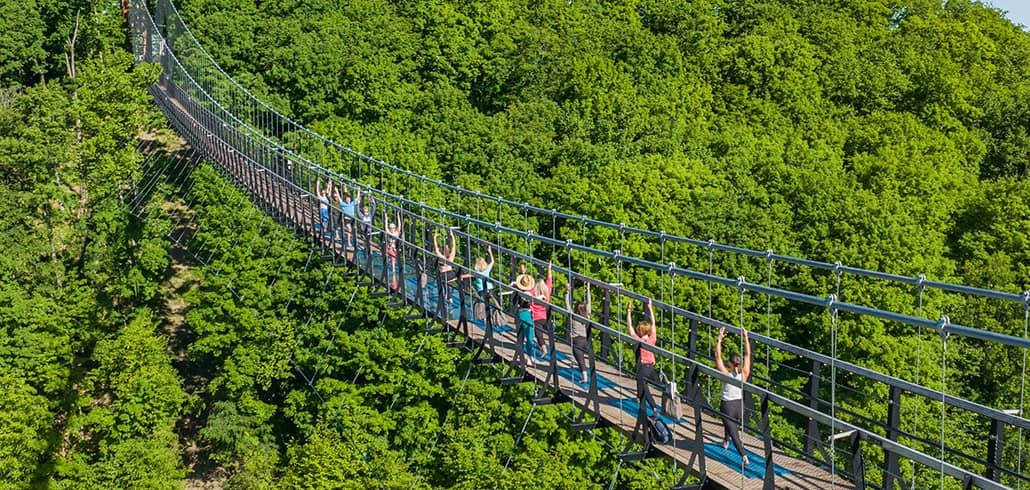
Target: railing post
pixel 892 470
pixel 995 450
pixel 857 461
pixel 606 339
pixel 770 467
pixel 692 340
pixel 812 434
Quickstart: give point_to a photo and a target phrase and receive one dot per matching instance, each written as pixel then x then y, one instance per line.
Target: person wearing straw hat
pixel 525 283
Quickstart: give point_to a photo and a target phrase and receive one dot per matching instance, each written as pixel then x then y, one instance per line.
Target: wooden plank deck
pixel 617 388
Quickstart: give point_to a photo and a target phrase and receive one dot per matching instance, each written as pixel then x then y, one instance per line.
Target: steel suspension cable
pixel 443 425
pixel 711 244
pixel 1022 385
pixel 741 289
pixel 532 407
pixel 919 359
pixel 768 315
pixel 833 390
pixel 944 373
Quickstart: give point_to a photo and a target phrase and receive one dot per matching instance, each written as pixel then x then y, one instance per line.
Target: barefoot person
pixel 393 236
pixel 732 406
pixel 446 273
pixel 580 340
pixel 484 288
pixel 542 291
pixel 525 283
pixel 646 332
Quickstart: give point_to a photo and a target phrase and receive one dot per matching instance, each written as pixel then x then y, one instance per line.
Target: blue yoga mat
pixel 561 357
pixel 729 457
pixel 572 374
pixel 630 405
pixel 497 328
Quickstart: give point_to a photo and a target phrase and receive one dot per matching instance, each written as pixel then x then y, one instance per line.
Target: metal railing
pixel 282 175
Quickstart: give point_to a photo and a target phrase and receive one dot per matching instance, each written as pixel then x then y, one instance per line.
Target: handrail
pixel 836 267
pixel 942 326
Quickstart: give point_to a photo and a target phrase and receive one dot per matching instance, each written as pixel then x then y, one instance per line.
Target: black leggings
pixel 539 327
pixel 645 372
pixel 580 347
pixel 731 411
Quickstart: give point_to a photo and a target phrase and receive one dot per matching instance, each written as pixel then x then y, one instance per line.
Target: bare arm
pixel 436 244
pixel 650 311
pixel 718 353
pixel 568 296
pixel 490 253
pixel 629 320
pixel 745 372
pixel 454 245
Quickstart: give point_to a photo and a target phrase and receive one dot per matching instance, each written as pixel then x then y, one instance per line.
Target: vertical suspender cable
pixel 833 376
pixel 711 247
pixel 661 311
pixel 554 230
pixel 1022 385
pixel 833 388
pixel 768 315
pixel 945 321
pixel 743 421
pixel 618 317
pixel 919 358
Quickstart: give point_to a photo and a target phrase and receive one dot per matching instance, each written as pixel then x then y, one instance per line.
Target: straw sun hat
pixel 525 282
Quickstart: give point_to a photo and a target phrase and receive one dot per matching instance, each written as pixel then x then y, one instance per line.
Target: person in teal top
pixel 525 283
pixel 484 287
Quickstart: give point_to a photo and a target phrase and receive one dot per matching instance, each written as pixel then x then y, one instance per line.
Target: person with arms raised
pixel 732 405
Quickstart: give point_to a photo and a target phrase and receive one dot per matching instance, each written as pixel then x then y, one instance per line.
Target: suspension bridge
pixel 281 166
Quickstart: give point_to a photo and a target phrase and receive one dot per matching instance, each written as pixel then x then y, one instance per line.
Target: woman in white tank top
pixel 732 406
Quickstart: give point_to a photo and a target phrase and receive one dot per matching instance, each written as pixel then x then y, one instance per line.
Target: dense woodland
pixel 887 135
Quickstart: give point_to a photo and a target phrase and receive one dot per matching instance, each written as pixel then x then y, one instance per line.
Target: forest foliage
pixel 887 135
